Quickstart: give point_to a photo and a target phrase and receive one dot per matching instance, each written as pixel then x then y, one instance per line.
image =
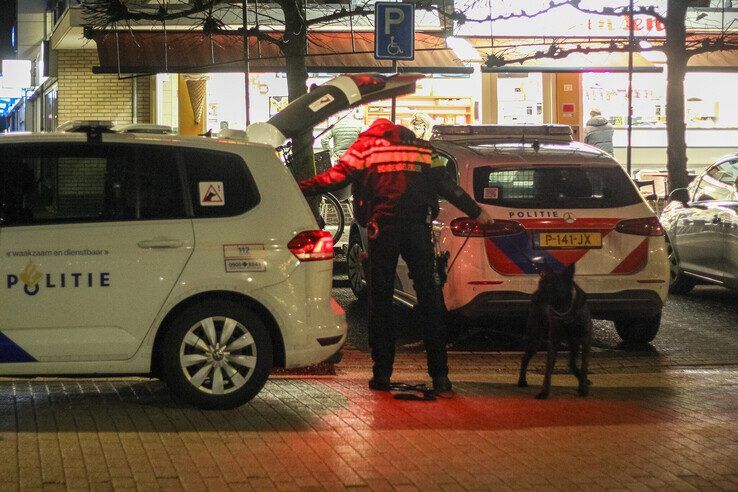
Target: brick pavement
pixel 647 426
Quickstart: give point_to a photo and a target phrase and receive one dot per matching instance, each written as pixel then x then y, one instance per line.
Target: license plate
pixel 567 240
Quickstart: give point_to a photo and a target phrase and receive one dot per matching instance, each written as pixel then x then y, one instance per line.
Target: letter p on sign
pixel 393 16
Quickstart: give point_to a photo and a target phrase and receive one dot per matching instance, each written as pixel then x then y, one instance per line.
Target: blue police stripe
pixel 519 249
pixel 11 352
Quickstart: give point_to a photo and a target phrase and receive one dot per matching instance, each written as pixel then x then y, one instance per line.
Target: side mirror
pixel 681 195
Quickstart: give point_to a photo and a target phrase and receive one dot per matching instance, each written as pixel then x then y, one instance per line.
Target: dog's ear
pixel 568 272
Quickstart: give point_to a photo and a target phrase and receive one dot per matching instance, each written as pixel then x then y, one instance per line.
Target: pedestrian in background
pixel 599 131
pixel 343 134
pixel 422 125
pixel 397 180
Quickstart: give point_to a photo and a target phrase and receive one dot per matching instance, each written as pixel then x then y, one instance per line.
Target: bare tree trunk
pixel 294 47
pixel 676 57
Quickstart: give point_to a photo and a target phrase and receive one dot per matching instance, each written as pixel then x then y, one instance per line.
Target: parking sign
pixel 394 31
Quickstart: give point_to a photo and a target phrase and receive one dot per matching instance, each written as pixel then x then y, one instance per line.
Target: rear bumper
pixel 325 335
pixel 610 306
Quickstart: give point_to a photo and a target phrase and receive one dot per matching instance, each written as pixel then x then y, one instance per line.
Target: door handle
pixel 160 243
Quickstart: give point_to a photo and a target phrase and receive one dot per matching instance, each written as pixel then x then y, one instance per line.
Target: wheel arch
pixel 278 350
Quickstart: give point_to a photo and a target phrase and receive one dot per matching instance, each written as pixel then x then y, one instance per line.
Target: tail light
pixel 368 83
pixel 647 226
pixel 312 246
pixel 465 226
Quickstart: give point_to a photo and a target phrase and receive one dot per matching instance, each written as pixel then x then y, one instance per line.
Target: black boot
pixel 379 383
pixel 442 387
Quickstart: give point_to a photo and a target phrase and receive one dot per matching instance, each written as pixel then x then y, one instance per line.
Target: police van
pixel 129 250
pixel 555 202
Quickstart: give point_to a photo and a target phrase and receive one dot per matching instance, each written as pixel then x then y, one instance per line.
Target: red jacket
pixel 395 175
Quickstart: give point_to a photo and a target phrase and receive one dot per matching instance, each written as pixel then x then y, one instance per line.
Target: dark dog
pixel 559 308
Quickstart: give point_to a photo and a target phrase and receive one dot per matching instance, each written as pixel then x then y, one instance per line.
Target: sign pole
pixel 246 67
pixel 394 36
pixel 631 42
pixel 393 111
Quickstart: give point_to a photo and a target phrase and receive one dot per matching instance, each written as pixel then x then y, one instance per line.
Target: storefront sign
pixel 534 18
pixel 16 74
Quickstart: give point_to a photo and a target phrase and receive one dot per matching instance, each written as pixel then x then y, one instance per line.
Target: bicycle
pixel 331 216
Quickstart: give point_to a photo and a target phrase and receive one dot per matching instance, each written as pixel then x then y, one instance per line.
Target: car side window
pixel 220 184
pixel 718 183
pixel 73 183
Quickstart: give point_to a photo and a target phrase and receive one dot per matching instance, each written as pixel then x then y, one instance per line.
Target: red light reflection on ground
pixel 492 407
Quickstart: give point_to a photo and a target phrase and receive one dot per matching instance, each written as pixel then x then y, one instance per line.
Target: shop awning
pixel 605 61
pixel 141 52
pixel 717 61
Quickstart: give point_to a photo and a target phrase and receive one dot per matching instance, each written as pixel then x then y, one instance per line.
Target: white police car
pixel 194 259
pixel 555 202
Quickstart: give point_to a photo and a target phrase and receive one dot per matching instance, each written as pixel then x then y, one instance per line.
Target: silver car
pixel 701 224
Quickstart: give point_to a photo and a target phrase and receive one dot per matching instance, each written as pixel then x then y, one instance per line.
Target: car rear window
pixel 220 183
pixel 554 187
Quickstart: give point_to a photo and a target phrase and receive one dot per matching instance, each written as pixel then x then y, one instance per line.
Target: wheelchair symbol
pixel 393 48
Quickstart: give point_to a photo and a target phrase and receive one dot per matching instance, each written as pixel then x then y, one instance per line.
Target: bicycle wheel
pixel 332 215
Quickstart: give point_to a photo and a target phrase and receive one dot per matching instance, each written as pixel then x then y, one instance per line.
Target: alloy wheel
pixel 355 268
pixel 218 355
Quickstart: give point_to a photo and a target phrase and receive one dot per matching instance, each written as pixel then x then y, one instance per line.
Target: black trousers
pixel 413 243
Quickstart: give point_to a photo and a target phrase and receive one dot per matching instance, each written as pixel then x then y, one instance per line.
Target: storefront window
pixel 226 102
pixel 710 99
pixel 50 111
pixel 167 103
pixel 608 92
pixel 520 99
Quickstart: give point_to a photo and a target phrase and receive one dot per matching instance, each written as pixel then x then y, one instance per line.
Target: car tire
pixel 679 282
pixel 638 330
pixel 355 266
pixel 216 355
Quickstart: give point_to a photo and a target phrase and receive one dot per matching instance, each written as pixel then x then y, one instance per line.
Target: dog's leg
pixel 586 346
pixel 550 363
pixel 573 351
pixel 530 351
pixel 534 337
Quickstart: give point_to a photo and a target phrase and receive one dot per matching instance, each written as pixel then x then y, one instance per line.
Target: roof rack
pixel 506 133
pixel 142 128
pixel 93 128
pixel 84 126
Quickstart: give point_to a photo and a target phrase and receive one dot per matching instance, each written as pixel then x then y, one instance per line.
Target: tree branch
pixel 622 11
pixel 338 15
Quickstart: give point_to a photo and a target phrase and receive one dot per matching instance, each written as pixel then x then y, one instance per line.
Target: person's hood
pixel 598 121
pixel 384 128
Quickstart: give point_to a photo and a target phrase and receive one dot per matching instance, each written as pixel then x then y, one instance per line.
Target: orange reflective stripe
pixel 398 154
pixel 394 168
pixel 353 159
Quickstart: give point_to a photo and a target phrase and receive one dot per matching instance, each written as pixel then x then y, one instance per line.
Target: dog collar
pixel 567 313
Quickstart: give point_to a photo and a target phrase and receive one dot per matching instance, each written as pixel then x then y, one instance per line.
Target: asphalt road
pixel 697 329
